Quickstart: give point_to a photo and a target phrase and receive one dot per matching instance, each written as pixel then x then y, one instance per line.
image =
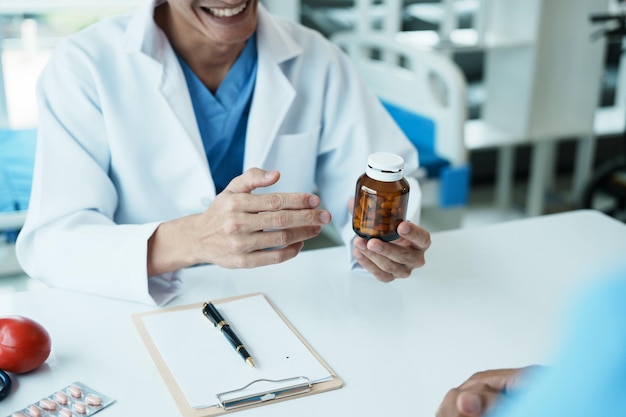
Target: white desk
pixel 488 297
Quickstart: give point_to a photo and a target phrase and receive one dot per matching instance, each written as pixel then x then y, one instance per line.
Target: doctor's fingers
pixel 255 203
pixel 418 236
pixel 248 251
pixel 285 219
pixel 363 258
pixel 369 253
pixel 267 256
pixel 398 257
pixel 382 267
pixel 252 179
pixel 262 257
pixel 272 239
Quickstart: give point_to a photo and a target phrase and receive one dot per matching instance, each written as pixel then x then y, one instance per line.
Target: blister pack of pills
pixel 75 400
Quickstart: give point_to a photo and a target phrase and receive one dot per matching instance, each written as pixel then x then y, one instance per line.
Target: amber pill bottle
pixel 381 197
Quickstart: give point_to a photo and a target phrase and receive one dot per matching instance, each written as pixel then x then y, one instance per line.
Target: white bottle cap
pixel 385 166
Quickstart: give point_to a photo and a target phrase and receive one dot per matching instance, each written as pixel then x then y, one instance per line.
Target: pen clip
pixel 210 312
pixel 229 400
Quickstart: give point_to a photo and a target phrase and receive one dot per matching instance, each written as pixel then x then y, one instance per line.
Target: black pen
pixel 218 321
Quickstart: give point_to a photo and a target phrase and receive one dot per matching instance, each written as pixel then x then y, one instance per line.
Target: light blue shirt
pixel 588 376
pixel 223 118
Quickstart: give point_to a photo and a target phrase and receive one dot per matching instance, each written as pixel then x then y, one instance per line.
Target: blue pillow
pixel 420 131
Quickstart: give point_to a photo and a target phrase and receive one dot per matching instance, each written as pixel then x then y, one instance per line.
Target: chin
pixel 231 29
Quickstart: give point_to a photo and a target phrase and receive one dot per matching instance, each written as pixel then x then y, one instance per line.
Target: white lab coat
pixel 119 149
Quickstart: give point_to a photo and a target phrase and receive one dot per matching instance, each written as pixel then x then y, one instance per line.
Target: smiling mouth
pixel 222 12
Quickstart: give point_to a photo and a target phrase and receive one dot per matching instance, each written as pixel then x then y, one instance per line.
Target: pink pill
pixel 61 398
pixel 80 407
pixel 48 405
pixel 75 391
pixel 65 412
pixel 17 415
pixel 34 411
pixel 93 400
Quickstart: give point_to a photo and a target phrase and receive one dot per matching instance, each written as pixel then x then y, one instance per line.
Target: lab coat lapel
pixel 273 92
pixel 145 38
pixel 272 97
pixel 173 88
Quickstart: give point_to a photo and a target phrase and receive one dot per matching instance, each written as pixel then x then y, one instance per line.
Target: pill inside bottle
pixel 381 197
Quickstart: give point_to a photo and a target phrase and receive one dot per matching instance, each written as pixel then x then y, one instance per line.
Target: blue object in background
pixel 455 186
pixel 17 160
pixel 454 181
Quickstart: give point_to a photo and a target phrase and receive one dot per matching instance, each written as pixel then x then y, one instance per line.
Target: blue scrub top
pixel 588 376
pixel 223 118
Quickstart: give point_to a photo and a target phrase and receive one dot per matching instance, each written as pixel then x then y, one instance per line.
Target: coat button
pixel 206 201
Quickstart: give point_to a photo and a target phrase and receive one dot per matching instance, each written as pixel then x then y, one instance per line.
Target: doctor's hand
pixel 396 259
pixel 480 392
pixel 239 229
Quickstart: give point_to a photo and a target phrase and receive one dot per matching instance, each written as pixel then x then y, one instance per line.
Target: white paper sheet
pixel 204 364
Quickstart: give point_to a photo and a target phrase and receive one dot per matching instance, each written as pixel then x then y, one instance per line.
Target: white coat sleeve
pixel 70 239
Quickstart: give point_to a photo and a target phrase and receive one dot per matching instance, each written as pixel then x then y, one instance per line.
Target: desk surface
pixel 488 297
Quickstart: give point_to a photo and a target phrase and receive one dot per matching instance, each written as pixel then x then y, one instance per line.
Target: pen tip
pixel 251 362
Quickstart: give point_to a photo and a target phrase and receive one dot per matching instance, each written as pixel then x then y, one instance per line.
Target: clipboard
pixel 255 392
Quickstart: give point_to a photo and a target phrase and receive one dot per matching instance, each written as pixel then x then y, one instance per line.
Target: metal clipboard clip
pixel 282 388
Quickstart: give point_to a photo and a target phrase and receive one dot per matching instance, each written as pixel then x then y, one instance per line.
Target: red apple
pixel 24 344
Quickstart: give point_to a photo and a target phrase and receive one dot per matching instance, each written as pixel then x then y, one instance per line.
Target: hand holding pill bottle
pixel 381 197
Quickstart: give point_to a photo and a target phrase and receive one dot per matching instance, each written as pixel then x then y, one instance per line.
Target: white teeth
pixel 228 12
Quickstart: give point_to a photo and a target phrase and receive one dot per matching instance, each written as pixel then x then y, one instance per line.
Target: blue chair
pixel 17 159
pixel 454 181
pixel 425 93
